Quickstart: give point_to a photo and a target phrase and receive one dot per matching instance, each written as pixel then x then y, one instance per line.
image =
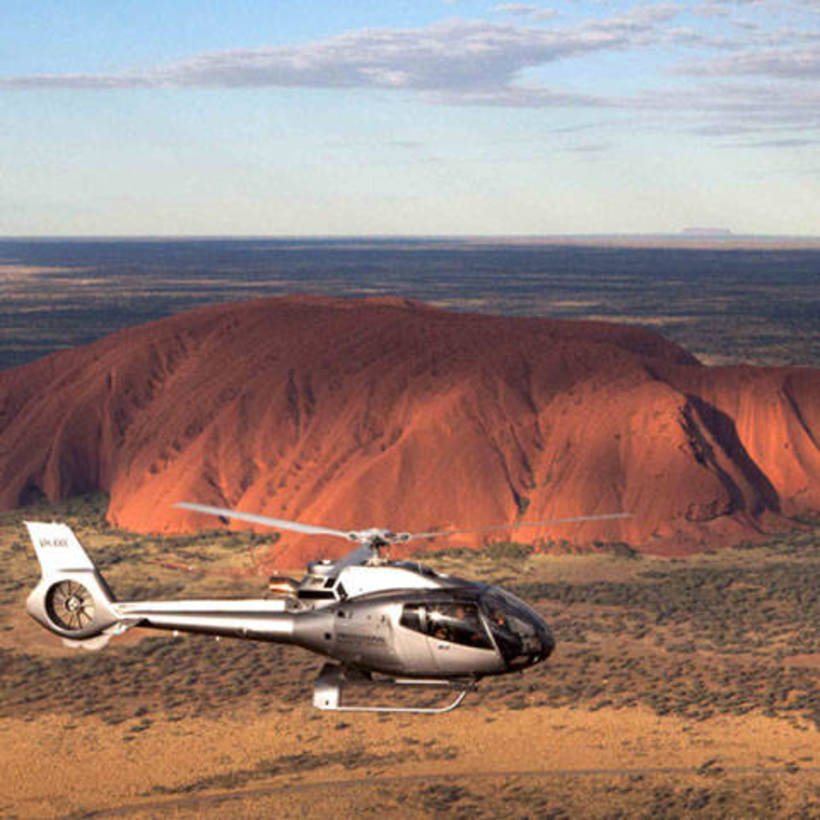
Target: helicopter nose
pixel 540 648
pixel 547 642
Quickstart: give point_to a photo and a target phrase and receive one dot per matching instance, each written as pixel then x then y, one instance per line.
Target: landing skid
pixel 327 693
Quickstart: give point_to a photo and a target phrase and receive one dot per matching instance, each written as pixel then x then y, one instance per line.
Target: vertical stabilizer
pixel 57 548
pixel 72 599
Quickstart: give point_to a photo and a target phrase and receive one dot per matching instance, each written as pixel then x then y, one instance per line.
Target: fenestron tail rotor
pixel 70 605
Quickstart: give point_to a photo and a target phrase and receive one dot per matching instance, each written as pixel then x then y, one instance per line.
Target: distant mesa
pixel 386 412
pixel 713 232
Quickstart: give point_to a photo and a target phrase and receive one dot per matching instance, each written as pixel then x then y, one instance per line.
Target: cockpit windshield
pixel 520 634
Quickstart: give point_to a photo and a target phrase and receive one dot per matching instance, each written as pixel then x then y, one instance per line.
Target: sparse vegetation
pixel 709 636
pixel 744 305
pixel 735 633
pixel 506 550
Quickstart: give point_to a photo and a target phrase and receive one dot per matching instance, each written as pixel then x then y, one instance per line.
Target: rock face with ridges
pixel 382 412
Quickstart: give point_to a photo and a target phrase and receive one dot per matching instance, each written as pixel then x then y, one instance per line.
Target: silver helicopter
pixel 391 622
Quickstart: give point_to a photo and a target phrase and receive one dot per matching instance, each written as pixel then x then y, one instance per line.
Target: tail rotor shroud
pixel 70 605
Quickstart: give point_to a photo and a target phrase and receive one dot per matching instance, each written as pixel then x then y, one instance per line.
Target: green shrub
pixel 500 550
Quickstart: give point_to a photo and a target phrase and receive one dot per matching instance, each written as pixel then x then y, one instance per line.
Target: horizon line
pixel 690 237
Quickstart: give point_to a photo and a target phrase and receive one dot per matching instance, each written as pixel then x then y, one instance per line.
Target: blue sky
pixel 427 118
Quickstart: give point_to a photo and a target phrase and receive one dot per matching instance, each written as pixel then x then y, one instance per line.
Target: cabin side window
pixel 411 617
pixel 452 622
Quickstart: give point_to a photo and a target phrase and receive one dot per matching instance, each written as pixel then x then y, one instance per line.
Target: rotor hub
pixel 376 537
pixel 73 603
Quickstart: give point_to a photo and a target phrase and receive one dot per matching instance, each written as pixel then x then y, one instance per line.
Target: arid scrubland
pixel 679 687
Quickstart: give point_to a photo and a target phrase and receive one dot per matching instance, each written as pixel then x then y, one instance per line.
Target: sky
pixel 431 118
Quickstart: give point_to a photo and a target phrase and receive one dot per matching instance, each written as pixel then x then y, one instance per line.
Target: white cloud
pixel 786 142
pixel 590 148
pixel 476 59
pixel 518 96
pixel 733 109
pixel 794 63
pixel 478 62
pixel 516 8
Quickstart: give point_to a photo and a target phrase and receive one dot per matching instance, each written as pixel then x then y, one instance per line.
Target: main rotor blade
pixel 277 523
pixel 573 520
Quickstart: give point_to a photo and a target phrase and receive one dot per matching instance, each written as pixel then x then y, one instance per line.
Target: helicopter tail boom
pixel 73 601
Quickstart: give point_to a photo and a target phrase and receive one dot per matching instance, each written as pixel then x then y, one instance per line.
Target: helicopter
pixel 392 622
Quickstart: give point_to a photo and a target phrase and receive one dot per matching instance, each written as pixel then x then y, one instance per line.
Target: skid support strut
pixel 327 693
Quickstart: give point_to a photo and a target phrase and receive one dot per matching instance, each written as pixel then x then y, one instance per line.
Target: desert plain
pixel 680 686
pixel 684 685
